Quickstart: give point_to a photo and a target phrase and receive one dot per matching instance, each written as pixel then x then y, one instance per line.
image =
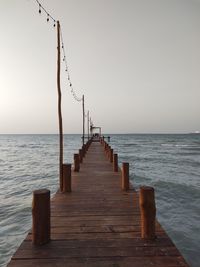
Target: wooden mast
pixel 83 102
pixel 59 109
pixel 88 121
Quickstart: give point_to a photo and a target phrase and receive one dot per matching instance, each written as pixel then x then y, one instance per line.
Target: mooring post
pixel 41 217
pixel 111 155
pixel 104 146
pixel 125 176
pixel 115 163
pixel 148 212
pixel 76 163
pixel 107 150
pixel 87 146
pixel 67 178
pixel 80 156
pixel 84 150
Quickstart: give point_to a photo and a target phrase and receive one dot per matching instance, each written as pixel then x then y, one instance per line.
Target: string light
pixel 50 17
pixel 79 99
pixel 41 8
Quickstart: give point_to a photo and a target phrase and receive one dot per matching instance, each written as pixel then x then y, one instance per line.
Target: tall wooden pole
pixel 59 109
pixel 83 102
pixel 91 127
pixel 88 121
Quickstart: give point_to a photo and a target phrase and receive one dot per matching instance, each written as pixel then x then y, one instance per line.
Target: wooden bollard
pixel 67 178
pixel 87 145
pixel 104 146
pixel 41 217
pixel 115 163
pixel 111 155
pixel 125 176
pixel 83 150
pixel 80 156
pixel 76 163
pixel 108 151
pixel 148 212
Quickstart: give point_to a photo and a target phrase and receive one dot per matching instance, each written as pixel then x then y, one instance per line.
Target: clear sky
pixel 136 61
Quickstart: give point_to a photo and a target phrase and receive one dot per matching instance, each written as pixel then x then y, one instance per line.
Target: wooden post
pixel 111 155
pixel 88 124
pixel 104 146
pixel 80 156
pixel 108 151
pixel 67 178
pixel 59 108
pixel 76 163
pixel 83 150
pixel 125 176
pixel 83 106
pixel 148 212
pixel 115 163
pixel 41 217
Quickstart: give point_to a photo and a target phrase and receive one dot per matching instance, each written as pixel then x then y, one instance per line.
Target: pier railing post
pixel 67 178
pixel 108 152
pixel 76 163
pixel 115 163
pixel 125 176
pixel 41 217
pixel 80 155
pixel 111 155
pixel 148 212
pixel 104 146
pixel 83 150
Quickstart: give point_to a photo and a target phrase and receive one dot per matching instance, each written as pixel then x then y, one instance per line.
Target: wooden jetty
pixel 98 223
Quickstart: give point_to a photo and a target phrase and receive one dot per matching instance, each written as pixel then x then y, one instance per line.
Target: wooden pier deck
pixel 97 224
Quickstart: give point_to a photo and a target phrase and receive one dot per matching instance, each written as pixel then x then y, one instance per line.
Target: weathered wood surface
pixel 98 224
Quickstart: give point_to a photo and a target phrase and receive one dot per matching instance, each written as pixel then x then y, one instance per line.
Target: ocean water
pixel 169 163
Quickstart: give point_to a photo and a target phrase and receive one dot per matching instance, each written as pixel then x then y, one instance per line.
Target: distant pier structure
pixel 98 133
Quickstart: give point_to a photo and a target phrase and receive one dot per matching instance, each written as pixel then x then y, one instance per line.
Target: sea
pixel 168 162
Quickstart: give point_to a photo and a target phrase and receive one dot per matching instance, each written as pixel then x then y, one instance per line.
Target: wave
pixel 181 145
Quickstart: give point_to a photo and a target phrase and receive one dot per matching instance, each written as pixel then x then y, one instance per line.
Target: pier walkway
pixel 97 224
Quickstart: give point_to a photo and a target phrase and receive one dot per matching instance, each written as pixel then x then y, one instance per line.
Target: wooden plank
pixel 121 242
pixel 108 262
pixel 98 224
pixel 90 252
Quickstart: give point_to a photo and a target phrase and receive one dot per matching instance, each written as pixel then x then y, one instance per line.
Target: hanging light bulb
pixel 40 9
pixel 70 85
pixel 47 17
pixel 54 23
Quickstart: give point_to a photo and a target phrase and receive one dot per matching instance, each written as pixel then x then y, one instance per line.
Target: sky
pixel 137 62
